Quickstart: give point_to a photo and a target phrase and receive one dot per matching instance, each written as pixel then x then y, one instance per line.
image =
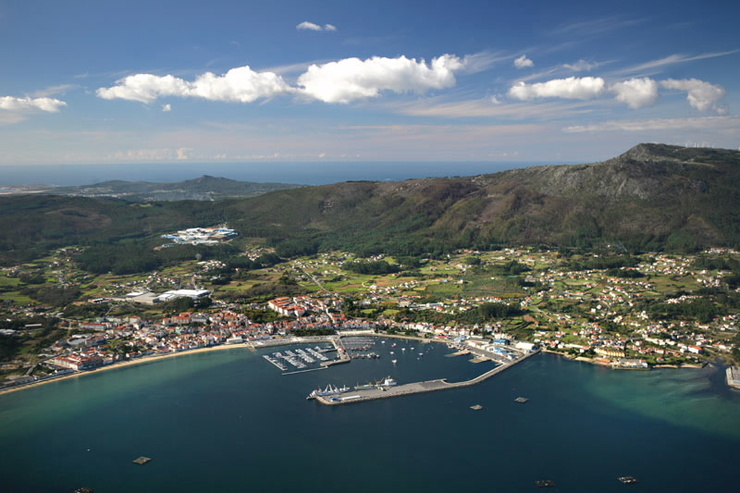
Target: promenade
pixel 416 387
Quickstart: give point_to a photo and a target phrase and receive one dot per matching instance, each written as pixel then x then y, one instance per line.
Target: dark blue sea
pixel 314 173
pixel 230 421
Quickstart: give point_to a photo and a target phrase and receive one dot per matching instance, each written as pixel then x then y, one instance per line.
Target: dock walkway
pixel 416 387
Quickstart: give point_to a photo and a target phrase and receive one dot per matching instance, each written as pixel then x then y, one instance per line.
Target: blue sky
pixel 96 81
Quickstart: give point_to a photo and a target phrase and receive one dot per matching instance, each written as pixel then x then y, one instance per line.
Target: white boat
pixel 388 382
pixel 394 361
pixel 329 390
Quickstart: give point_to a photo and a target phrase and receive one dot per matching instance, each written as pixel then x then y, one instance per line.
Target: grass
pixel 17 298
pixel 9 281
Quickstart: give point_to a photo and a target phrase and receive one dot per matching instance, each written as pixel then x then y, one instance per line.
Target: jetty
pixel 416 387
pixel 733 376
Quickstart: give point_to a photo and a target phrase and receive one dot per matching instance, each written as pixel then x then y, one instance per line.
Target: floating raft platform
pixel 142 460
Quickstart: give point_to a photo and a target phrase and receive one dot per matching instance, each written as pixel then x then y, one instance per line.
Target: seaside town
pixel 658 310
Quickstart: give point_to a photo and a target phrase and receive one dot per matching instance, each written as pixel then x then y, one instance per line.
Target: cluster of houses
pixel 202 236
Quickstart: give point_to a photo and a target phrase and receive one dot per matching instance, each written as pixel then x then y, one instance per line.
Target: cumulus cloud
pixel 351 78
pixel 571 88
pixel 31 104
pixel 240 84
pixel 310 26
pixel 701 95
pixel 145 88
pixel 636 93
pixel 523 62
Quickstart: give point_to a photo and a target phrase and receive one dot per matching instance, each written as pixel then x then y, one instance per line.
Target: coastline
pixel 248 345
pixel 607 363
pixel 147 359
pixel 123 364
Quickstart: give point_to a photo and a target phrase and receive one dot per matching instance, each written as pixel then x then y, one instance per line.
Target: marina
pixel 303 359
pixel 395 390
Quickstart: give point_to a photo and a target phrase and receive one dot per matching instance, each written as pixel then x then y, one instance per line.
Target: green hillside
pixel 653 197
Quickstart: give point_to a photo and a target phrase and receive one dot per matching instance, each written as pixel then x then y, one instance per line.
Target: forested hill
pixel 653 197
pixel 204 188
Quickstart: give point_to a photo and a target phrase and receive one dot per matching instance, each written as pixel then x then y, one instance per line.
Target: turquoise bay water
pixel 229 421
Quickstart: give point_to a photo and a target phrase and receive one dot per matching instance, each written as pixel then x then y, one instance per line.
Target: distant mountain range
pixel 653 197
pixel 206 188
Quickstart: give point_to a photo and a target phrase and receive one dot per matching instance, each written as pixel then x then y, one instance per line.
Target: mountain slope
pixel 651 197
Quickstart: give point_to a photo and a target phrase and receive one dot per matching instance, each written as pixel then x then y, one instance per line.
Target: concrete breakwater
pixel 414 388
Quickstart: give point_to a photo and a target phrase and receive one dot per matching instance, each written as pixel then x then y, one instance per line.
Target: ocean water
pixel 317 173
pixel 229 421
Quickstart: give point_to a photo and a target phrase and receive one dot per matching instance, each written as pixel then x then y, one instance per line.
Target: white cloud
pixel 166 107
pixel 53 90
pixel 598 26
pixel 581 66
pixel 493 107
pixel 31 104
pixel 636 93
pixel 351 78
pixel 523 62
pixel 674 59
pixel 701 95
pixel 571 88
pixel 714 123
pixel 240 84
pixel 145 88
pixel 310 26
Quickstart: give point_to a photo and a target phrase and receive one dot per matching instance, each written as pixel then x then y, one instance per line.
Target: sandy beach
pixel 116 366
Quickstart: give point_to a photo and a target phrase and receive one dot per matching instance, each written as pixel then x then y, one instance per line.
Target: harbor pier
pixel 382 392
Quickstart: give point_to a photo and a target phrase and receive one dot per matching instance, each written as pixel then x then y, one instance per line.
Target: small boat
pixel 394 361
pixel 388 382
pixel 628 480
pixel 545 483
pixel 367 386
pixel 329 390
